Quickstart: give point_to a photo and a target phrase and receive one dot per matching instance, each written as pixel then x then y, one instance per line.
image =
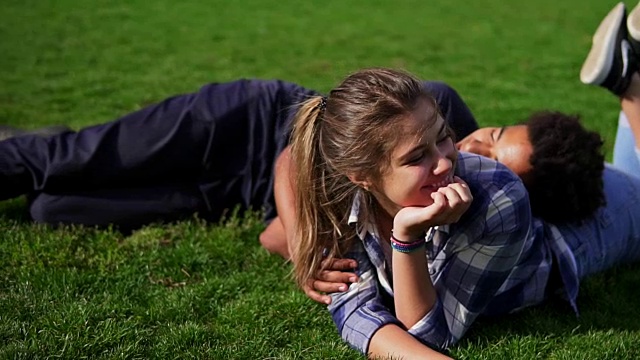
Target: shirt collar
pixel 362 225
pixel 355 208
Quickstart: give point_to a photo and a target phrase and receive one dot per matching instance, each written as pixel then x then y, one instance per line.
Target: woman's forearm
pixel 393 341
pixel 413 292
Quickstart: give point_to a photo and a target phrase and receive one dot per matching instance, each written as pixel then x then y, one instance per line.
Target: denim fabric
pixel 626 156
pixel 612 236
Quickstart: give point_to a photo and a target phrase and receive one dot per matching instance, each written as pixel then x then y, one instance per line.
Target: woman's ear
pixel 360 182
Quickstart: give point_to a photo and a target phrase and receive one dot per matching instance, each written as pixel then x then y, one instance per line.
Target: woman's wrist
pixel 406 237
pixel 407 247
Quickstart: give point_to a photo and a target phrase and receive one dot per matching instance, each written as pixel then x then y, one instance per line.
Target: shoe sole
pixel 633 23
pixel 600 58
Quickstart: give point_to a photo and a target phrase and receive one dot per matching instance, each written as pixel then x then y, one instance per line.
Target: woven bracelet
pixel 404 247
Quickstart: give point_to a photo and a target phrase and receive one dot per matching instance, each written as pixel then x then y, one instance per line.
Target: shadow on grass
pixel 606 302
pixel 15 210
pixel 176 257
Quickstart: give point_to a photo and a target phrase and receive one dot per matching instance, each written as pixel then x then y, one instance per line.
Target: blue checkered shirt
pixel 495 260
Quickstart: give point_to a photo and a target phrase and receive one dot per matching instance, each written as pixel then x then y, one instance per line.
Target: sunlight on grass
pixel 197 290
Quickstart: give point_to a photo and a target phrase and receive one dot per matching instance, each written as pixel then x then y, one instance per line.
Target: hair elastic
pixel 323 103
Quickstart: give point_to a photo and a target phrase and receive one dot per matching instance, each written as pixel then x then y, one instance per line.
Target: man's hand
pixel 331 280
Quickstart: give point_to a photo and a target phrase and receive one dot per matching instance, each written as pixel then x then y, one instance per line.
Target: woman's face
pixel 509 145
pixel 419 165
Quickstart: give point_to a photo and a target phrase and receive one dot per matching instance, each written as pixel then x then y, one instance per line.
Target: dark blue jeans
pixel 205 152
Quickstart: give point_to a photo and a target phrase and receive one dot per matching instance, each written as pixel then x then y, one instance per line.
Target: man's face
pixel 509 145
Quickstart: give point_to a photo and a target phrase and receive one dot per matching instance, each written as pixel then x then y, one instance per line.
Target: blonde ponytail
pixel 319 225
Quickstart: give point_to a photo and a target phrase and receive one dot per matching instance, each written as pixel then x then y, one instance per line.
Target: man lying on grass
pixel 479 260
pixel 212 150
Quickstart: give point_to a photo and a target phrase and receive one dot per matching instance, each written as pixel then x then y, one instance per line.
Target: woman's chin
pixel 422 201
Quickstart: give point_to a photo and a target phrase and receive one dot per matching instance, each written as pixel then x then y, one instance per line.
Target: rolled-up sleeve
pixel 359 312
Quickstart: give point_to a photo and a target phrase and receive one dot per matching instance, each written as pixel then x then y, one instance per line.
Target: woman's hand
pixel 449 204
pixel 331 280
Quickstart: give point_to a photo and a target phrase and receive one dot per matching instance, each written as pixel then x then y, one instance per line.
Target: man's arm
pixel 278 237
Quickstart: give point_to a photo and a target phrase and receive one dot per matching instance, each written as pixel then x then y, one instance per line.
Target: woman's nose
pixel 443 165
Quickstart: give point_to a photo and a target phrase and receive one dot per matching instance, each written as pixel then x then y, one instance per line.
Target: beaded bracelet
pixel 404 247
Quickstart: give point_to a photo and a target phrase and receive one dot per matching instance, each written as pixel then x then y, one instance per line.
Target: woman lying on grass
pixel 441 237
pixel 212 150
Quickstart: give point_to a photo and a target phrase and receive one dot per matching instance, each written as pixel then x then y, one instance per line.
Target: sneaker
pixel 633 26
pixel 7 132
pixel 611 60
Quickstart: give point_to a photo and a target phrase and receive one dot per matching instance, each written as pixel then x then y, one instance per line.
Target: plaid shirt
pixel 495 260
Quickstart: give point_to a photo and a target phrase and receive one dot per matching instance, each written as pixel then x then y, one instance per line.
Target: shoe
pixel 7 132
pixel 633 26
pixel 611 60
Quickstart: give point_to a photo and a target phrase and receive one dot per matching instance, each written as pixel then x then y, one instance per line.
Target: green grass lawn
pixel 195 290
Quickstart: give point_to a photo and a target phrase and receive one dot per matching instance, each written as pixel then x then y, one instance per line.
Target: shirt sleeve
pixel 475 269
pixel 470 274
pixel 360 311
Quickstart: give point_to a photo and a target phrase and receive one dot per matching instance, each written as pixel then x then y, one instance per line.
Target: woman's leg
pixel 160 144
pixel 128 209
pixel 223 139
pixel 453 108
pixel 252 127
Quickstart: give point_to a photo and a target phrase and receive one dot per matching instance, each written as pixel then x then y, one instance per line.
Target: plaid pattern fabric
pixel 495 260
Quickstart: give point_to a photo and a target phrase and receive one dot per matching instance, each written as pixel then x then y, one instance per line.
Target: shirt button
pixel 432 271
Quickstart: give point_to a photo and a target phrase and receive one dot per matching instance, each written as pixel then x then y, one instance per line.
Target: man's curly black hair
pixel 565 183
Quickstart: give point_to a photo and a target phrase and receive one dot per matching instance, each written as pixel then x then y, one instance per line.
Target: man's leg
pixel 610 237
pixel 625 154
pixel 612 63
pixel 627 147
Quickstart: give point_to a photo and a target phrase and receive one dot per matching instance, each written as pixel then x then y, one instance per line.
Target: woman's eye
pixel 416 159
pixel 444 138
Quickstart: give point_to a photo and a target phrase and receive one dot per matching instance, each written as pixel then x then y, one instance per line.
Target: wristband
pixel 405 247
